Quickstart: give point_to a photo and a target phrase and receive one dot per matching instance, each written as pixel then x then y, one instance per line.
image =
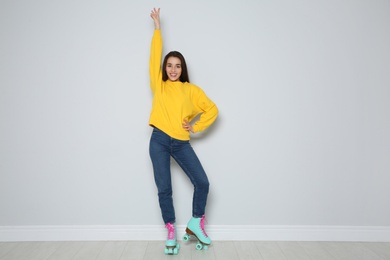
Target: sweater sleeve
pixel 155 61
pixel 208 109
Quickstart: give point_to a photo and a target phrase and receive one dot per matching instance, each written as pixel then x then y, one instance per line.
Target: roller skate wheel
pixel 168 251
pixel 186 237
pixel 205 247
pixel 172 251
pixel 199 246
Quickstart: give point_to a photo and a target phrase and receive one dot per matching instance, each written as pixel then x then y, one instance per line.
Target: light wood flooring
pixel 220 250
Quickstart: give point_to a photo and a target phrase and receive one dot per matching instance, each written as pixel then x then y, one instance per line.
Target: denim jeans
pixel 161 148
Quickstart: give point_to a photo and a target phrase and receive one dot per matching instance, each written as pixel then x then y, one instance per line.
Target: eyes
pixel 177 66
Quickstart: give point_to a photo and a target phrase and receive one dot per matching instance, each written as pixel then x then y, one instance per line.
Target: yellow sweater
pixel 174 102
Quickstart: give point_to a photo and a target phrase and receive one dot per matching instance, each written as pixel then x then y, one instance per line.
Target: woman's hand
pixel 186 125
pixel 155 14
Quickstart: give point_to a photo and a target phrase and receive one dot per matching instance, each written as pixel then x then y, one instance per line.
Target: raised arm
pixel 155 14
pixel 155 52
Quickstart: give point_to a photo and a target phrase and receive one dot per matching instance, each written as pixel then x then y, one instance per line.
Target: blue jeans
pixel 161 148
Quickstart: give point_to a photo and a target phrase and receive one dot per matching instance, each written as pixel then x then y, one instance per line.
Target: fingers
pixel 155 13
pixel 187 126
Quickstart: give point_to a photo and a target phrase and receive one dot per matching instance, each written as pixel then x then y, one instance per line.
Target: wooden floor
pixel 221 250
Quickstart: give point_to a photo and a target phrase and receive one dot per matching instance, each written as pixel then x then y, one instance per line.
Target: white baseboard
pixel 216 232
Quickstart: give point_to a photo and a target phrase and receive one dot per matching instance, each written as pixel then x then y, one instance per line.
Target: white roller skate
pixel 195 228
pixel 171 245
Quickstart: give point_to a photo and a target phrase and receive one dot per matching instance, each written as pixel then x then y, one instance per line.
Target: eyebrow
pixel 174 64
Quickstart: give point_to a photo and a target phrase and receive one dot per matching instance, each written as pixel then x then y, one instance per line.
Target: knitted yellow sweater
pixel 174 102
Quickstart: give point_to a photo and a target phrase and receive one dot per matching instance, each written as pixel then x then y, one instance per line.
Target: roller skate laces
pixel 171 231
pixel 203 219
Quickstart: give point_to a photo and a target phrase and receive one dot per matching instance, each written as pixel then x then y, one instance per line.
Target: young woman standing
pixel 175 103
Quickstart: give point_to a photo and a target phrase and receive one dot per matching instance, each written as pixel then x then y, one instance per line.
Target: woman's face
pixel 173 68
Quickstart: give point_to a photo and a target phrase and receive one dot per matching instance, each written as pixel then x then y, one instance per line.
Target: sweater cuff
pixel 196 129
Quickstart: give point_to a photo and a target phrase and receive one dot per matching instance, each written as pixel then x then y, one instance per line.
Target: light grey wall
pixel 303 89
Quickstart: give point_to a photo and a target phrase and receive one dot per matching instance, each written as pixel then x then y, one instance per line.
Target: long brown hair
pixel 184 72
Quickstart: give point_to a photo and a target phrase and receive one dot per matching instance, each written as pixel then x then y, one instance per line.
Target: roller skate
pixel 171 245
pixel 195 228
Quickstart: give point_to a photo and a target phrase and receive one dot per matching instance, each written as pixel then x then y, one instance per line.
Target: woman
pixel 175 103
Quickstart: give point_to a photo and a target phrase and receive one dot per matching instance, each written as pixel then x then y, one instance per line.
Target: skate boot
pixel 195 228
pixel 171 245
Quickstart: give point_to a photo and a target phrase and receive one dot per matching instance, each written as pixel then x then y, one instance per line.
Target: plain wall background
pixel 303 89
